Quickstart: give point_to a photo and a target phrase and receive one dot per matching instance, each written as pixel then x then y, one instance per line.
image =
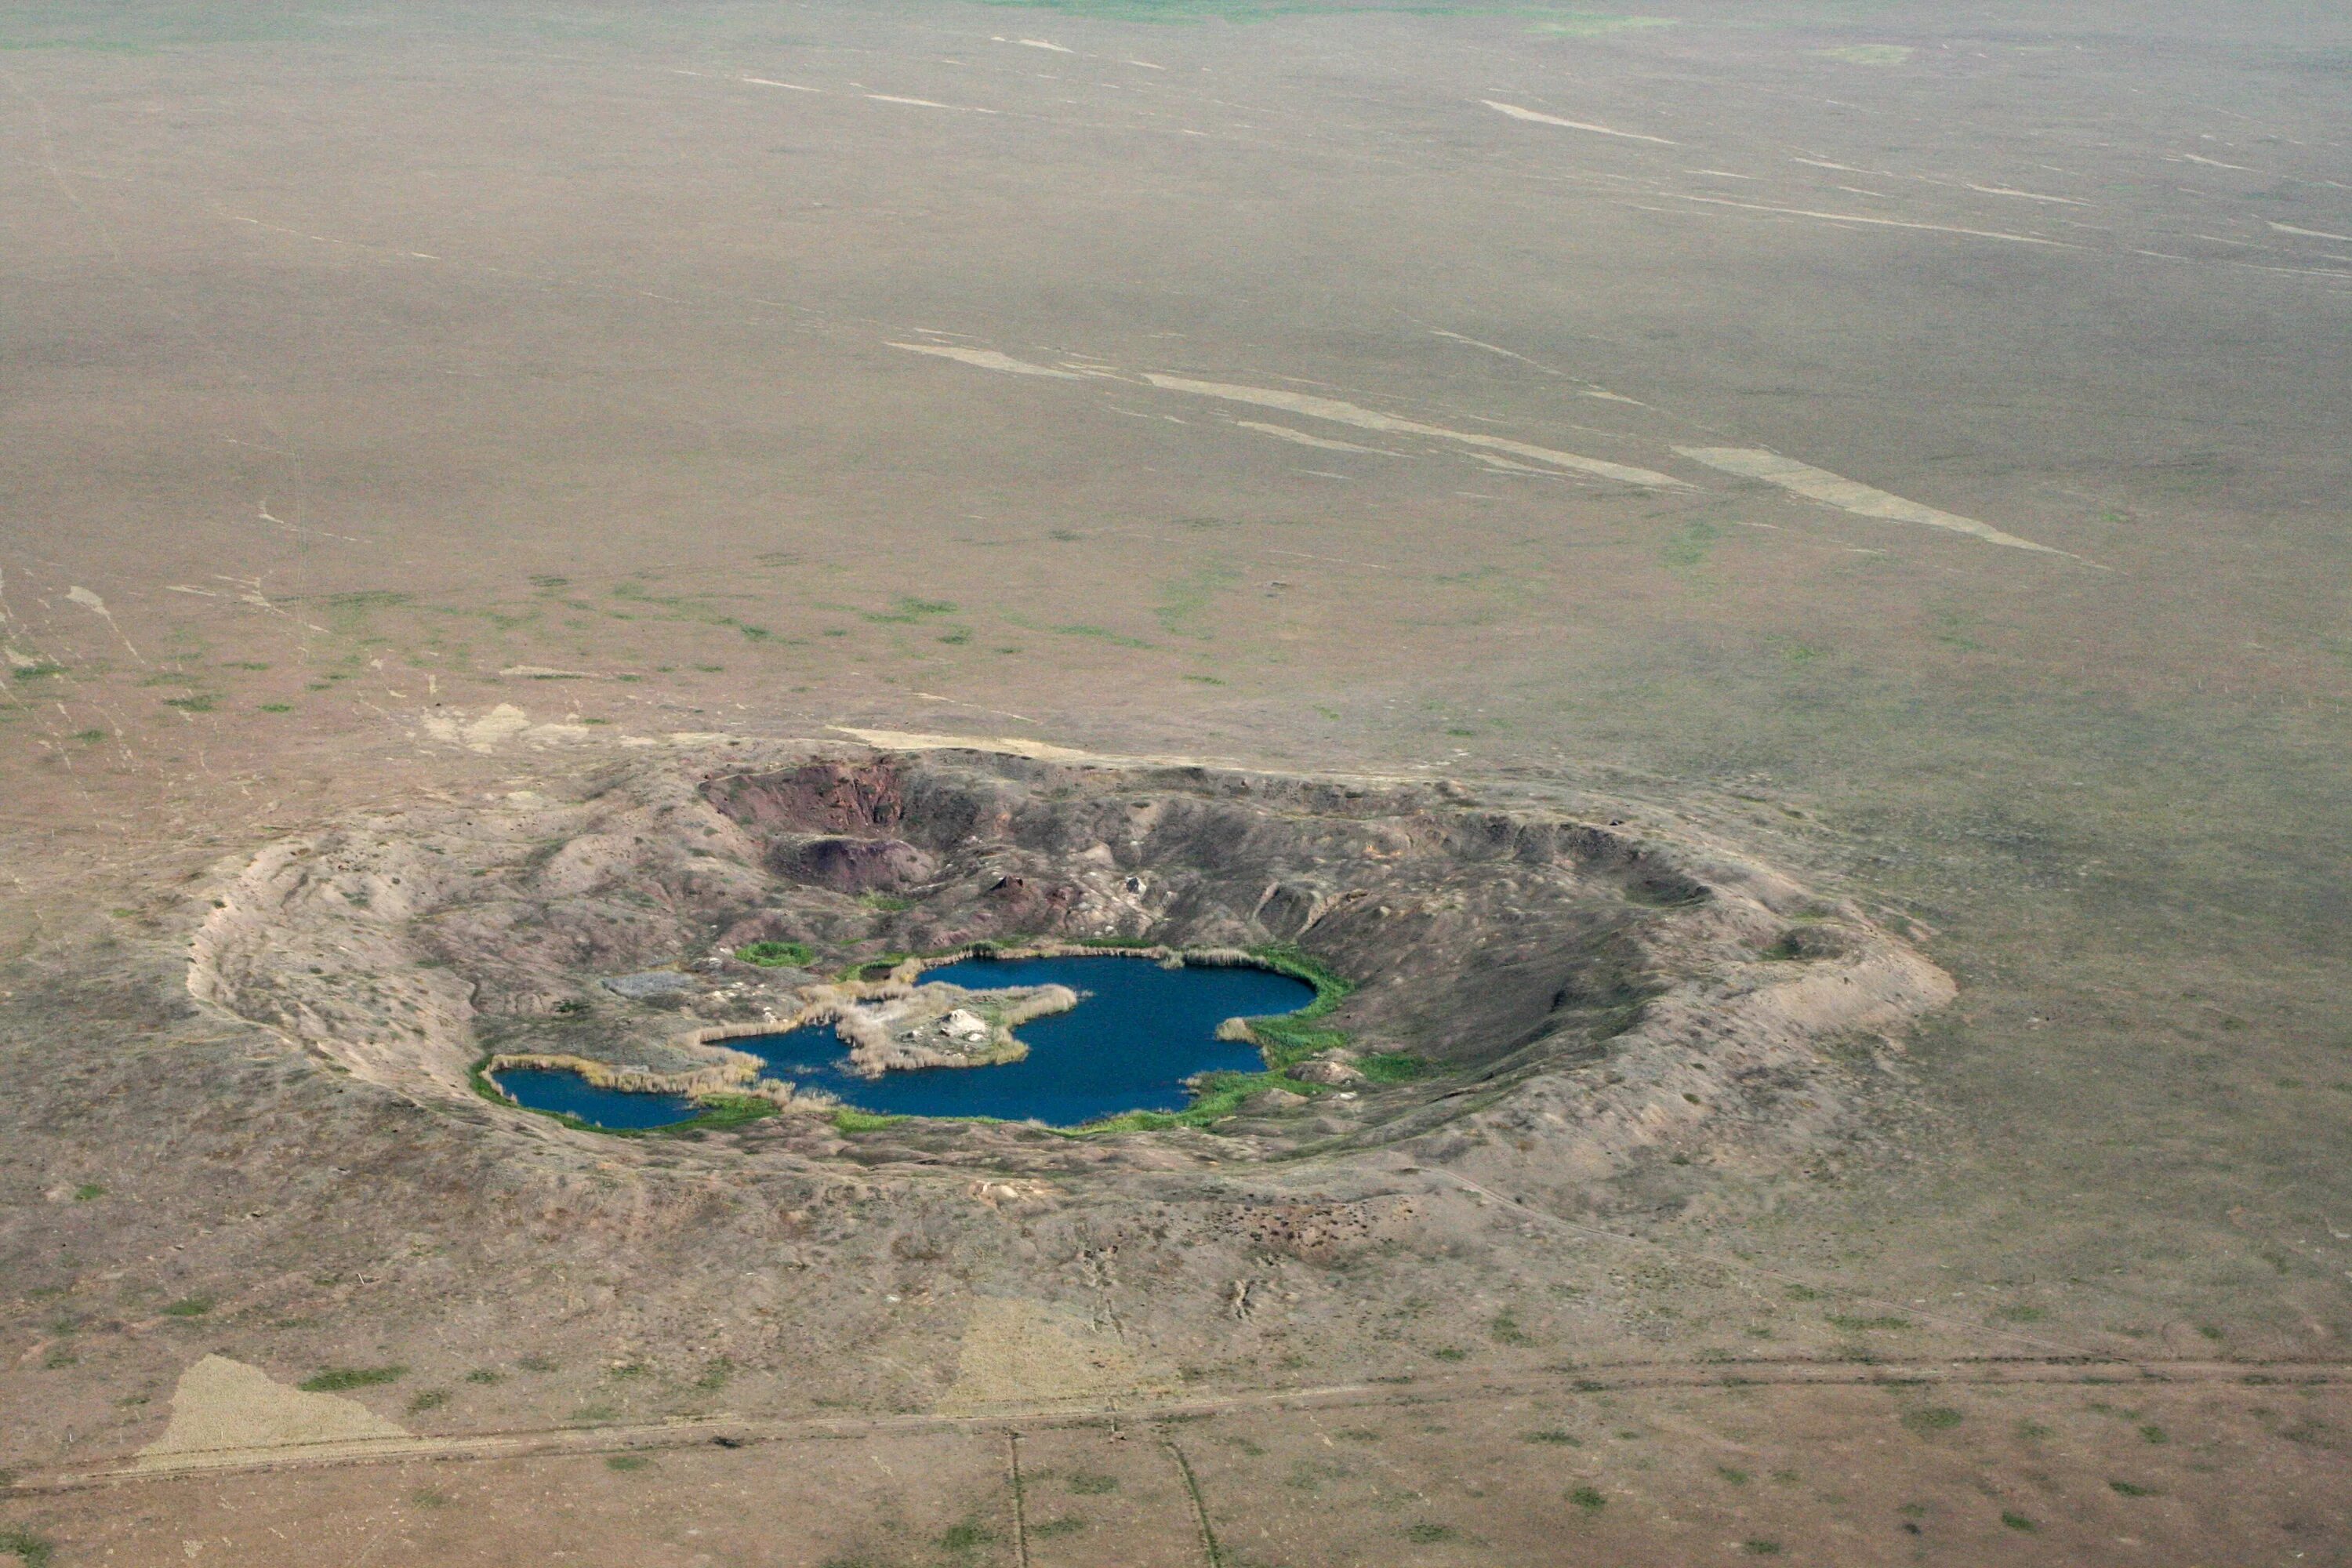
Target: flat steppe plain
pixel 1905 439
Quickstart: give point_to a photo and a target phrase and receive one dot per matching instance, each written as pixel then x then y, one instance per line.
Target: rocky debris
pixel 1332 1071
pixel 1323 1231
pixel 652 982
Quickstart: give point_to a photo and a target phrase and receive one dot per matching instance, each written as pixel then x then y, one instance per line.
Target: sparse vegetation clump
pixel 1932 1418
pixel 776 954
pixel 33 1551
pixel 336 1380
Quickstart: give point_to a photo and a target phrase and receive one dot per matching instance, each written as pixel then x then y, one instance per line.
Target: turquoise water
pixel 1138 1032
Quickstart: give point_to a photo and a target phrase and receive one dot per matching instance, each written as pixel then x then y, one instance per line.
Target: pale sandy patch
pixel 1583 388
pixel 224 1406
pixel 1871 222
pixel 2027 196
pixel 96 606
pixel 1343 412
pixel 987 359
pixel 928 103
pixel 1019 1352
pixel 1285 433
pixel 1847 495
pixel 1540 118
pixel 496 728
pixel 1012 745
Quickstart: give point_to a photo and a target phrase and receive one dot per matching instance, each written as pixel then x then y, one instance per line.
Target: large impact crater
pixel 1493 967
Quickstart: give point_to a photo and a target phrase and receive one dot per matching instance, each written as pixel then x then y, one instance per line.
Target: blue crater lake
pixel 1138 1032
pixel 617 1109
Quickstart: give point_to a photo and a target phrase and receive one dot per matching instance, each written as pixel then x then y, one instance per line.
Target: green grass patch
pixel 1291 1038
pixel 200 703
pixel 1853 1324
pixel 849 1119
pixel 335 1379
pixel 776 954
pixel 966 1539
pixel 1689 550
pixel 1087 1483
pixel 626 1462
pixel 1393 1067
pixel 886 903
pixel 38 671
pixel 1102 633
pixel 430 1399
pixel 1216 1095
pixel 1588 1498
pixel 88 737
pixel 189 1307
pixel 88 1191
pixel 1932 1418
pixel 33 1551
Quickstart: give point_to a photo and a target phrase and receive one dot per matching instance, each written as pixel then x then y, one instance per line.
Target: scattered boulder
pixel 1331 1071
pixel 652 983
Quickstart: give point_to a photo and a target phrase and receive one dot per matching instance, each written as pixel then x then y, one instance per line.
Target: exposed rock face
pixel 823 797
pixel 854 865
pixel 1612 996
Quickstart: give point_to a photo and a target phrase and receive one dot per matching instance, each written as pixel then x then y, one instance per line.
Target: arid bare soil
pixel 1764 582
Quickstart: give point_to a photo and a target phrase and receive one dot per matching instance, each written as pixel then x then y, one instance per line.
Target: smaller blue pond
pixel 1138 1032
pixel 551 1088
